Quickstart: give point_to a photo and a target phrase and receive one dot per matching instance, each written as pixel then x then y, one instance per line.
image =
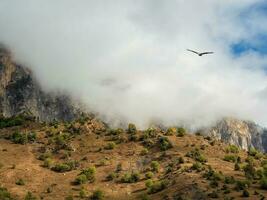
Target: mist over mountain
pixel 127 61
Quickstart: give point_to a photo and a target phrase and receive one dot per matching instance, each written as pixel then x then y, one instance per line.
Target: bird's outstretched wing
pixel 193 51
pixel 204 53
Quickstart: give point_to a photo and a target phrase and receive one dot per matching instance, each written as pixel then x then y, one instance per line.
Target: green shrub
pixel 131 129
pixel 181 132
pixel 252 151
pixel 70 197
pixel 48 163
pixel 82 193
pixel 110 145
pixel 197 156
pixel 19 138
pixel 210 174
pixel 12 121
pixel 144 152
pixel 4 194
pixel 155 166
pixel 232 149
pixel 131 178
pixel 98 195
pixel 171 131
pixel 164 143
pixel 229 180
pixel 149 175
pixel 156 186
pixel 263 183
pixel 230 158
pixel 213 194
pixel 245 193
pixel 197 166
pixel 111 176
pixel 237 167
pixel 242 185
pixel 81 179
pixel 180 160
pixel 149 133
pixel 45 156
pixel 89 173
pixel 250 170
pixel 20 182
pixel 29 196
pixel 61 167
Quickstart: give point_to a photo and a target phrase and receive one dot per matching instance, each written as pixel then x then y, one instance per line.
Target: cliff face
pixel 244 134
pixel 21 93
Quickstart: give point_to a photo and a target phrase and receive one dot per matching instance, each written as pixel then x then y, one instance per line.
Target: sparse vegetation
pixel 155 166
pixel 165 143
pixel 130 177
pixel 230 158
pixel 181 132
pixel 4 194
pixel 232 149
pixel 155 186
pixel 98 195
pixel 20 182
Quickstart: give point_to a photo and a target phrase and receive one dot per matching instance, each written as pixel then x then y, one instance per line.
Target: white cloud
pixel 127 59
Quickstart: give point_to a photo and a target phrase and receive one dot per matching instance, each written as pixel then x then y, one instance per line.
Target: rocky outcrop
pixel 20 93
pixel 244 134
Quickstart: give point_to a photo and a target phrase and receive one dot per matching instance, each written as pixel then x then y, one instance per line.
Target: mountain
pixel 20 93
pixel 245 134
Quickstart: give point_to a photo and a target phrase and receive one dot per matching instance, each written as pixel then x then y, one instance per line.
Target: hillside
pixel 85 159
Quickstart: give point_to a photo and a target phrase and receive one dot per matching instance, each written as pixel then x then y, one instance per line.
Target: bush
pixel 48 163
pixel 149 133
pixel 237 167
pixel 20 182
pixel 245 193
pixel 164 143
pixel 81 179
pixel 181 132
pixel 131 129
pixel 29 196
pixel 250 170
pixel 197 156
pixel 111 176
pixel 252 151
pixel 230 158
pixel 180 160
pixel 131 178
pixel 149 175
pixel 242 185
pixel 144 152
pixel 213 195
pixel 154 187
pixel 61 167
pixel 263 183
pixel 229 180
pixel 12 121
pixel 155 166
pixel 232 149
pixel 197 166
pixel 4 194
pixel 171 131
pixel 98 195
pixel 89 173
pixel 110 145
pixel 19 138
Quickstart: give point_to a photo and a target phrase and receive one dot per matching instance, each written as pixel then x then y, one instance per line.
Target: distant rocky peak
pixel 21 93
pixel 245 134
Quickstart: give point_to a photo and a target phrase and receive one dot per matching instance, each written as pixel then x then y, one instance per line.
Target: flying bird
pixel 200 54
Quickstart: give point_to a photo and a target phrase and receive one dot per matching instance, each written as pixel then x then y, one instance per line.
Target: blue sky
pixel 258 42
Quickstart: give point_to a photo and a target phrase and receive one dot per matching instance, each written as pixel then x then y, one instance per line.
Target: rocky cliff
pixel 21 93
pixel 244 134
